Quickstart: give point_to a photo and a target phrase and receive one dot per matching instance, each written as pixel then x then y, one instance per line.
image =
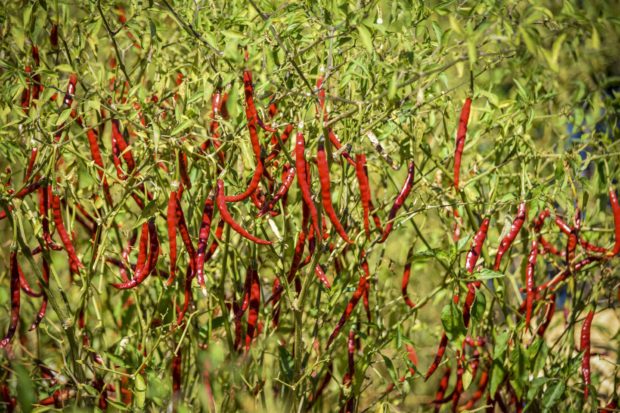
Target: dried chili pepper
pixel 529 282
pixel 54 36
pixel 177 361
pixel 460 141
pixel 25 286
pixel 566 229
pixel 302 180
pixel 405 282
pixel 320 274
pixel 95 152
pixel 252 186
pixel 220 200
pixel 183 169
pixel 400 200
pixel 15 300
pixel 123 146
pixel 573 238
pixel 507 241
pixel 585 348
pixel 184 231
pixel 321 160
pixel 443 343
pixel 25 98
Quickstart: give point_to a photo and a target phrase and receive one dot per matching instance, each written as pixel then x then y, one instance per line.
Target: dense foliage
pixel 191 257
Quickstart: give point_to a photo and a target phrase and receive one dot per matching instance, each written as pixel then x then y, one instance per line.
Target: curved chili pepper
pixel 469 301
pixel 276 143
pixel 183 169
pixel 441 390
pixel 507 241
pixel 321 160
pixel 585 347
pixel 15 300
pixel 320 273
pixel 361 287
pixel 74 262
pixel 482 385
pixel 573 238
pixel 333 138
pixel 171 221
pixel 405 282
pixel 287 181
pixel 203 237
pixel 321 387
pixel 302 180
pixel 254 307
pixel 400 200
pixel 373 212
pixel 183 230
pixel 43 307
pixel 143 265
pixel 25 286
pixel 458 387
pixel 122 145
pixel 348 377
pixel 443 343
pixel 219 231
pixel 551 284
pixel 476 246
pixel 566 229
pixel 615 207
pixel 362 179
pixel 258 172
pixel 460 141
pixel 220 200
pixel 529 282
pixel 95 152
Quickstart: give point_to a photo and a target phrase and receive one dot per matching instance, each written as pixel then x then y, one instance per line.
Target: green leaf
pixel 487 274
pixel 25 388
pixel 497 376
pixel 139 391
pixel 553 394
pixel 452 320
pixel 479 306
pixel 365 37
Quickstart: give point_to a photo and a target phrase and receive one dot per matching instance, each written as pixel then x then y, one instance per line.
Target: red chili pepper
pixel 564 274
pixel 400 200
pixel 361 287
pixel 469 301
pixel 405 282
pixel 512 234
pixel 443 343
pixel 585 348
pixel 362 179
pixel 220 200
pixel 458 387
pixel 320 273
pixel 476 246
pixel 276 143
pixel 25 286
pixel 177 361
pixel 615 207
pixel 171 220
pixel 31 161
pixel 443 386
pixel 338 145
pixel 74 262
pixel 219 231
pixel 566 229
pixel 482 385
pixel 183 169
pixel 68 100
pixel 25 99
pixel 321 160
pixel 183 230
pixel 203 237
pixel 15 300
pixel 529 277
pixel 122 145
pixel 144 266
pixel 254 307
pixel 321 387
pixel 302 180
pixel 258 172
pixel 287 181
pixel 54 36
pixel 375 216
pixel 573 238
pixel 460 141
pixel 95 152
